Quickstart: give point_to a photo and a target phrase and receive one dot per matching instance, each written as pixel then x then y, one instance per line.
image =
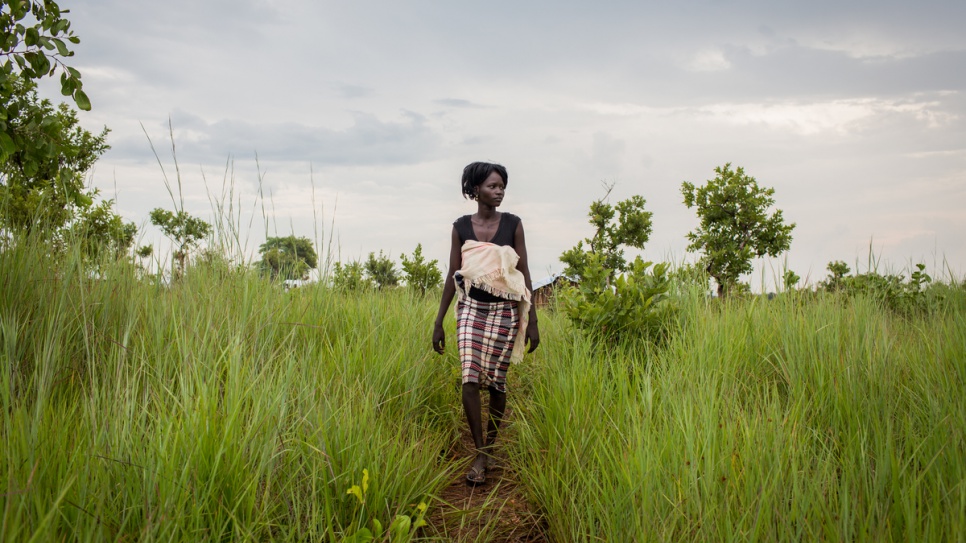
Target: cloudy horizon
pixel 363 115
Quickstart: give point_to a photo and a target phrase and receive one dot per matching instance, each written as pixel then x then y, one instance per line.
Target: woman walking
pixel 489 274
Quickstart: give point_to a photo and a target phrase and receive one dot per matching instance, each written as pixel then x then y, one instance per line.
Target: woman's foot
pixel 490 458
pixel 477 473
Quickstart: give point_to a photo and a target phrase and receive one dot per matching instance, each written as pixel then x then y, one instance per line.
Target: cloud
pixel 836 115
pixel 367 141
pixel 607 154
pixel 708 60
pixel 352 91
pixel 457 102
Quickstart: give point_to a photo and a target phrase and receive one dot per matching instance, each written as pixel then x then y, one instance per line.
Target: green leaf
pixel 356 491
pixel 61 47
pixel 82 100
pixel 7 146
pixel 31 37
pixel 363 536
pixel 30 168
pixel 67 85
pixel 399 529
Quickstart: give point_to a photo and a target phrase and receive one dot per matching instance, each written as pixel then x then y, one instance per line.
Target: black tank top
pixel 505 235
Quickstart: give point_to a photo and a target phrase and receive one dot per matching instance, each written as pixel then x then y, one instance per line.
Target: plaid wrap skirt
pixel 485 332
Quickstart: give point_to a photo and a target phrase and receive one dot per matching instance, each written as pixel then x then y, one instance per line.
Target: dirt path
pixel 495 511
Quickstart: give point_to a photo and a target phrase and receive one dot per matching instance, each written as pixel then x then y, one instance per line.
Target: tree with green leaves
pixel 421 275
pixel 45 157
pixel 102 232
pixel 616 226
pixel 288 257
pixel 736 224
pixel 184 230
pixel 35 39
pixel 44 153
pixel 381 271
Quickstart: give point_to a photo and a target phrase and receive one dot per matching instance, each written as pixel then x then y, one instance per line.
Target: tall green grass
pixel 818 418
pixel 219 408
pixel 224 408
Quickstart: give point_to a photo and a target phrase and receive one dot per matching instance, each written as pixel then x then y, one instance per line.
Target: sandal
pixel 490 457
pixel 476 476
pixel 490 462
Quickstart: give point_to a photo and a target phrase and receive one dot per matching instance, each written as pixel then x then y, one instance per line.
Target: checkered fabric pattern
pixel 485 333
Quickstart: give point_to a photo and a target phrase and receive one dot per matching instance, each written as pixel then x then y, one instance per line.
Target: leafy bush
pixel 381 271
pixel 421 275
pixel 350 277
pixel 632 307
pixel 893 291
pixel 690 276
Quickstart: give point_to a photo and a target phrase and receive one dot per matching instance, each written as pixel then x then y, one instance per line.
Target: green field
pixel 224 408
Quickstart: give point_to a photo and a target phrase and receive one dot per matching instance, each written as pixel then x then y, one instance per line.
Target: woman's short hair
pixel 476 173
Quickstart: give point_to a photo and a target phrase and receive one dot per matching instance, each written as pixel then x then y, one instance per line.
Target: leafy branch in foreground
pixel 34 51
pixel 45 153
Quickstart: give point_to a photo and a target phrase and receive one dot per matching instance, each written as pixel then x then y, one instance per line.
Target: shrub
pixel 350 277
pixel 893 291
pixel 421 275
pixel 381 271
pixel 631 308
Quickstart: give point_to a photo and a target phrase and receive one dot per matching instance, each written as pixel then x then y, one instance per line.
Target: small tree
pixel 421 275
pixel 626 223
pixel 381 271
pixel 838 271
pixel 789 280
pixel 735 224
pixel 184 230
pixel 288 258
pixel 350 277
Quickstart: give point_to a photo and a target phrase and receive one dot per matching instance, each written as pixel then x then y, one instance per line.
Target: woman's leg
pixel 473 407
pixel 497 408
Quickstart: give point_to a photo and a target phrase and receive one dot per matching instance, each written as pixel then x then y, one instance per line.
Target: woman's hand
pixel 532 336
pixel 439 338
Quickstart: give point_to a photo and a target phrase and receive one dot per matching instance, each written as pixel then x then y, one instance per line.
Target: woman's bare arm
pixel 520 244
pixel 449 290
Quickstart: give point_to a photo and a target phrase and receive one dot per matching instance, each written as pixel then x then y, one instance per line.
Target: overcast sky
pixel 363 114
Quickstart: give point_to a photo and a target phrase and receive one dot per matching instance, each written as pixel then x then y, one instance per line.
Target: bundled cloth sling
pixel 493 268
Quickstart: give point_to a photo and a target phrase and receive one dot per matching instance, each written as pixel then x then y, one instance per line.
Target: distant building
pixel 544 290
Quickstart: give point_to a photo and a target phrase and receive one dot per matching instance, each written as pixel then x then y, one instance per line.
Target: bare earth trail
pixel 495 511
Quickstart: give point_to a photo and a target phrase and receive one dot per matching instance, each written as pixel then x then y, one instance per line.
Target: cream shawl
pixel 493 268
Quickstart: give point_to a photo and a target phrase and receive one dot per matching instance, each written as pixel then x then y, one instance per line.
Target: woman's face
pixel 490 191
